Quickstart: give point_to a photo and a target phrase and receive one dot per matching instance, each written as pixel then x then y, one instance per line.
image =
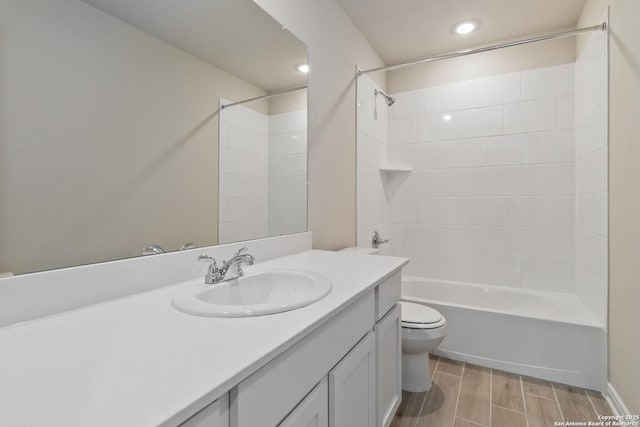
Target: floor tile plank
pixel 433 362
pixel 506 391
pixel 538 387
pixel 600 403
pixel 464 423
pixel 440 404
pixel 473 402
pixel 541 412
pixel 409 410
pixel 449 366
pixel 574 403
pixel 501 417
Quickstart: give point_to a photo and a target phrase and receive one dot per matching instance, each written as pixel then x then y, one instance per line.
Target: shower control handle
pixel 376 240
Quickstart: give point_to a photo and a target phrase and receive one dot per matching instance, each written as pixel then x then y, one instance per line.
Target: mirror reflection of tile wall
pixel 109 124
pixel 263 173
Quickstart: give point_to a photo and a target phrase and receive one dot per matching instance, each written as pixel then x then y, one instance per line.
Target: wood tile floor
pixel 465 395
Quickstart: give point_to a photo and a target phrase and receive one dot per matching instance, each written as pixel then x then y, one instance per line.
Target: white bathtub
pixel 544 335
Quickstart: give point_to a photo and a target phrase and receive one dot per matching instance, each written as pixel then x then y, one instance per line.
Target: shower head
pixel 388 99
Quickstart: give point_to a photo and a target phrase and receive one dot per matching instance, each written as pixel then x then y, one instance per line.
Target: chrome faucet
pixel 153 250
pixel 376 240
pixel 216 275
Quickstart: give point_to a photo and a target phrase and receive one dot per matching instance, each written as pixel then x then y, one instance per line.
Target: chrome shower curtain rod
pixel 600 27
pixel 269 95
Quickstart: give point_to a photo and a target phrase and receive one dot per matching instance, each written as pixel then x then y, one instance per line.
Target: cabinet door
pixel 313 411
pixel 352 396
pixel 389 365
pixel 214 415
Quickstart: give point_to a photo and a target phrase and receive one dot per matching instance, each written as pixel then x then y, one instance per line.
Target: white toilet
pixel 423 329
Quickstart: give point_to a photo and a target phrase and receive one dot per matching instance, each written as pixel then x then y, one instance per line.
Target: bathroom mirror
pixel 263 167
pixel 109 122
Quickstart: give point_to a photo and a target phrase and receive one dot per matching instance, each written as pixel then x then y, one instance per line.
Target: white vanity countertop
pixel 137 361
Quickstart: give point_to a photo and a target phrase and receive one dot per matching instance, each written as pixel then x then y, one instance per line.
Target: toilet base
pixel 416 372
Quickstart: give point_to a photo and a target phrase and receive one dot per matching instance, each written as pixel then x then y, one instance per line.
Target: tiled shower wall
pixel 491 196
pixel 287 200
pixel 372 211
pixel 591 175
pixel 244 142
pixel 263 174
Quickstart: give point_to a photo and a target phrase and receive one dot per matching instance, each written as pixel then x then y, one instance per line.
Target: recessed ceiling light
pixel 447 117
pixel 465 27
pixel 303 68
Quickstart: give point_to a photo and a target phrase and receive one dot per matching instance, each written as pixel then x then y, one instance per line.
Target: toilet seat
pixel 418 316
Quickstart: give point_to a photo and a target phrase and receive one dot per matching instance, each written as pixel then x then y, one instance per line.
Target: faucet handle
pixel 213 272
pixel 207 258
pixel 239 251
pixel 376 240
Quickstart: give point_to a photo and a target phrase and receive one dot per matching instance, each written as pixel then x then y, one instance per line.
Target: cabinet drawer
pixel 388 294
pixel 267 396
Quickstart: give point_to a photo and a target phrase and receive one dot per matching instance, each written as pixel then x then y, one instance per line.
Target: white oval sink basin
pixel 255 294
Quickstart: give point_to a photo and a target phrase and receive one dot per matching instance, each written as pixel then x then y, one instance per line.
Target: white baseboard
pixel 616 403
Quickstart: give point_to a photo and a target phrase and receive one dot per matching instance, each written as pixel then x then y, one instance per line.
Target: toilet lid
pixel 420 316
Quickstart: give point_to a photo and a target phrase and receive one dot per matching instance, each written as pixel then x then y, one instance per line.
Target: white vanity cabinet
pixel 352 387
pixel 215 414
pixel 312 411
pixel 345 373
pixel 388 332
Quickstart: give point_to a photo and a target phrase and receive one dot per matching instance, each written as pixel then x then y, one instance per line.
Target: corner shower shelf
pixel 395 169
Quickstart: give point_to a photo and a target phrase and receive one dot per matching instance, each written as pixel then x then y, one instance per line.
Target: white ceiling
pixel 235 35
pixel 406 30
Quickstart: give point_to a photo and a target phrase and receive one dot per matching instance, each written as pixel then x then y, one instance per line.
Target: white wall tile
pixel 515 149
pixel 411 103
pixel 257 122
pixel 541 211
pixel 415 184
pixel 454 267
pixel 547 275
pixel 452 182
pixel 424 156
pixel 403 211
pixel 437 210
pixel 288 143
pixel 592 134
pixel 438 127
pixel 451 97
pixel 548 82
pixel 496 90
pixel 233 116
pixel 557 146
pixel 557 179
pixel 557 243
pixel 517 242
pixel 531 116
pixel 295 121
pixel 478 122
pixel 402 131
pixel 592 251
pixel 566 112
pixel 499 271
pixel 465 153
pixel 592 292
pixel 592 213
pixel 492 195
pixel 224 135
pixel 481 210
pixel 496 181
